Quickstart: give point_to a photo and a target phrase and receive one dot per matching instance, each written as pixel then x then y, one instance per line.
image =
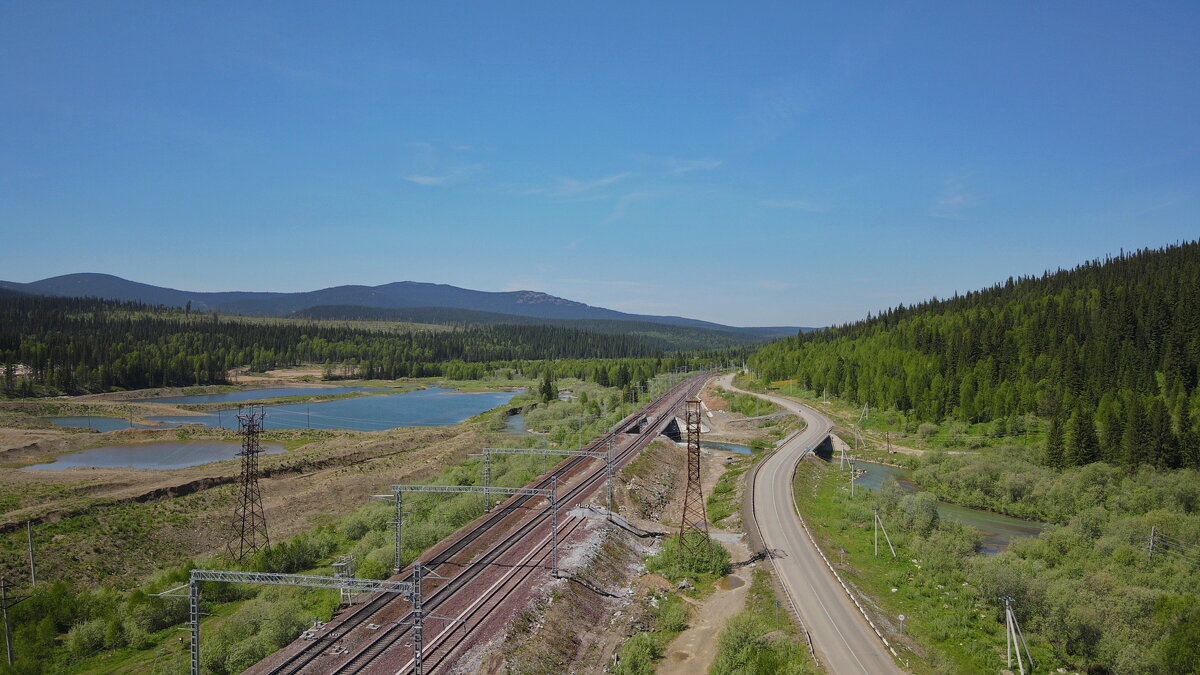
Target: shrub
pixel 86 638
pixel 705 558
pixel 638 655
pixel 671 615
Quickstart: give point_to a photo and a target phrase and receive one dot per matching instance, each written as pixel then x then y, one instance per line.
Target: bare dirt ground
pixel 695 649
pixel 725 426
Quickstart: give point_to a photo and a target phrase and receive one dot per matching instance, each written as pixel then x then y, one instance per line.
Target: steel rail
pixel 381 643
pixel 670 399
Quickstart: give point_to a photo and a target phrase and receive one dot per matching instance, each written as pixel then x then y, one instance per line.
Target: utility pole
pixel 1014 638
pixel 880 526
pixel 694 519
pixel 7 628
pixel 4 605
pixel 1153 535
pixel 250 522
pixel 32 558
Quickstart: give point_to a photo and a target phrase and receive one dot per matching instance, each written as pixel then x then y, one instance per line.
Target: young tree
pixel 1054 444
pixel 1163 450
pixel 1082 445
pixel 547 391
pixel 1108 423
pixel 1133 436
pixel 1187 435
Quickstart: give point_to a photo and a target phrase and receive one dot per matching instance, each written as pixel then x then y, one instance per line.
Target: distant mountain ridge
pixel 392 296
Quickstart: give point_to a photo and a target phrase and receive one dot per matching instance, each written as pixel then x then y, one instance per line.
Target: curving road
pixel 844 641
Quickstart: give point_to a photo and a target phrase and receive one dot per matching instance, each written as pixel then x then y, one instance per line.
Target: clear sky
pixel 748 163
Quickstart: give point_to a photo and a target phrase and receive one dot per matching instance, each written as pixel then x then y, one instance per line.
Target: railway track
pixel 392 628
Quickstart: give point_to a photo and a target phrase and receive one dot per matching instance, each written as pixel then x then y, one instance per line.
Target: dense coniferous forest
pixel 663 336
pixel 1108 351
pixel 76 345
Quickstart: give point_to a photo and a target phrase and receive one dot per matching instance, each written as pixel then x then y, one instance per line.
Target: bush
pixel 671 616
pixel 638 655
pixel 705 558
pixel 86 638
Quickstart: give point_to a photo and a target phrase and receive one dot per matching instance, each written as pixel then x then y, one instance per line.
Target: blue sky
pixel 748 163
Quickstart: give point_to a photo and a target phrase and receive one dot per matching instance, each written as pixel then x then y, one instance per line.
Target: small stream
pixel 997 530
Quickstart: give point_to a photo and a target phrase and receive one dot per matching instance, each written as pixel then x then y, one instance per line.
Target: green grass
pixel 762 639
pixel 748 405
pixel 670 617
pixel 724 501
pixel 908 430
pixel 957 629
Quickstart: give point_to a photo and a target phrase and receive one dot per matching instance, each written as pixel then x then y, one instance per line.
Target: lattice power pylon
pixel 694 521
pixel 249 523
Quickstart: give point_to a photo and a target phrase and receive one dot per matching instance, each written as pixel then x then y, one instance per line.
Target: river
pixel 997 530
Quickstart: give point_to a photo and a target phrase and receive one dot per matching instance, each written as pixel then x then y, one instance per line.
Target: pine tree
pixel 547 392
pixel 1133 437
pixel 1082 445
pixel 1108 423
pixel 1163 450
pixel 1054 444
pixel 1187 435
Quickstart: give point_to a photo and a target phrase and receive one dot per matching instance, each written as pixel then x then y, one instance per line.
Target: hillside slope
pixel 396 295
pixel 668 336
pixel 1109 350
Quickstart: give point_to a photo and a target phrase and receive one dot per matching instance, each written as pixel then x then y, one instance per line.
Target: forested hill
pixel 1109 350
pixel 660 334
pixel 74 345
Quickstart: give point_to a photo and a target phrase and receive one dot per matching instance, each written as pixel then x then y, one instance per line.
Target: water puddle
pixel 730 582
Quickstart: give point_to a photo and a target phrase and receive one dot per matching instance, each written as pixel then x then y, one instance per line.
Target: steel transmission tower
pixel 249 523
pixel 694 520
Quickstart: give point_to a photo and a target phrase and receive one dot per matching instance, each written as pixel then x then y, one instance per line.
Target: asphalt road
pixel 842 638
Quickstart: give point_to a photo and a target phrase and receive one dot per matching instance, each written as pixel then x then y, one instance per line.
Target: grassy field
pixel 950 627
pixel 881 426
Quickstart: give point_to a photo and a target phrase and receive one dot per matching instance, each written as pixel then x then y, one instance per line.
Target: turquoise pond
pixel 168 455
pixel 253 395
pixel 419 408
